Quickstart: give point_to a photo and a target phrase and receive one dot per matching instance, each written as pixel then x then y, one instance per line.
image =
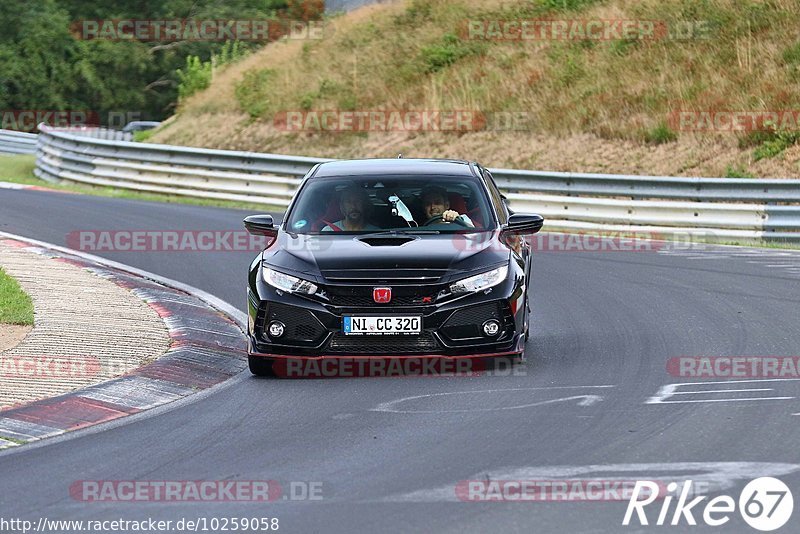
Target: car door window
pixel 497 197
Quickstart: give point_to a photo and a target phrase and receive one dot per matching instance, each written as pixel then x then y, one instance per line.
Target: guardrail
pixel 105 133
pixel 718 208
pixel 13 142
pixel 216 174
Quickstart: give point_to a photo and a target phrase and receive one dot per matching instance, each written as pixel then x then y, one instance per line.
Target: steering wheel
pixel 435 219
pixel 439 219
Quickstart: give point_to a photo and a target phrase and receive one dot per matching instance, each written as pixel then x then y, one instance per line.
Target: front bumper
pixel 451 330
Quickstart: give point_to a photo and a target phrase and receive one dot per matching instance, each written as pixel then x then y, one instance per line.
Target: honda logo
pixel 382 295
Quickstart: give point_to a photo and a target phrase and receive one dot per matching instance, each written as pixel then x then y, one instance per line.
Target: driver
pixel 435 205
pixel 354 203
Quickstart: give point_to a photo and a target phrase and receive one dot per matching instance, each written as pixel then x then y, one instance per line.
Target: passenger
pixel 436 206
pixel 355 205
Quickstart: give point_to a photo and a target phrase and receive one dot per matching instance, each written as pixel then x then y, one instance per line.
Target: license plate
pixel 406 324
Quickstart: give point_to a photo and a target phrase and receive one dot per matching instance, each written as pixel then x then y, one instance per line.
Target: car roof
pixel 369 167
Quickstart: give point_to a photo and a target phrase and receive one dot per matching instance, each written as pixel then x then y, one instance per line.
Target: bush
pixel 776 143
pixel 737 172
pixel 791 55
pixel 252 93
pixel 307 101
pixel 564 5
pixel 196 77
pixel 142 136
pixel 448 51
pixel 660 134
pixel 791 58
pixel 198 74
pixel 231 51
pixel 754 138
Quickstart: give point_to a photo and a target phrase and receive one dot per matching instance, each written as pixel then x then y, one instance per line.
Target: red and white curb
pixel 207 347
pixel 12 185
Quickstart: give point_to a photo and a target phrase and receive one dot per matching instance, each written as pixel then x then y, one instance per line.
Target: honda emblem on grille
pixel 381 295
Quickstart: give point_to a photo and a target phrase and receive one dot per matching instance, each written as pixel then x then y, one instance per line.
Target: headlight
pixel 481 281
pixel 286 282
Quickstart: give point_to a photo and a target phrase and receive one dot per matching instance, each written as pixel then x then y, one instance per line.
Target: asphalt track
pixel 609 319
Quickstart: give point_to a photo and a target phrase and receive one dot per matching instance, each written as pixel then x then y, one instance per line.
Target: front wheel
pixel 525 334
pixel 260 366
pixel 527 323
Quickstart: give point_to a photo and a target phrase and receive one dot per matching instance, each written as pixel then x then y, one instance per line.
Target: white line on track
pixel 721 391
pixel 670 390
pixel 583 400
pixel 743 399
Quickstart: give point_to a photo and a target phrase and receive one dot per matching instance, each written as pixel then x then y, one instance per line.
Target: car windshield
pixel 413 204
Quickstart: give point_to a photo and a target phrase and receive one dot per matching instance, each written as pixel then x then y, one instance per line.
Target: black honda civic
pixel 391 258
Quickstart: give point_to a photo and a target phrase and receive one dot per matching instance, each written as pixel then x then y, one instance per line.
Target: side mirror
pixel 261 225
pixel 523 224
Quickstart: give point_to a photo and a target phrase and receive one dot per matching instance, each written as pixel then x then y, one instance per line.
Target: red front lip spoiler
pixel 382 356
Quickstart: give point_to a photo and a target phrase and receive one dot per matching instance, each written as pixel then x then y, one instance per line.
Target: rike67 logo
pixel 765 504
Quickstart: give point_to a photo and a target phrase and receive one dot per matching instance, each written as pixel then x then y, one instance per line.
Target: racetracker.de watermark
pixel 607 242
pixel 241 241
pixel 734 121
pixel 575 490
pixel 464 241
pixel 584 29
pixel 141 491
pixel 166 241
pixel 174 30
pixel 574 242
pixel 50 367
pixel 398 120
pixel 26 120
pixel 734 366
pixel 388 367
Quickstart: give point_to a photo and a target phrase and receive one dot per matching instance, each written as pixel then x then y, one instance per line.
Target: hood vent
pixel 387 241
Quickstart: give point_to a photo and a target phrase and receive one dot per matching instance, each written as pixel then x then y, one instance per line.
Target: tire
pixel 260 366
pixel 526 334
pixel 527 305
pixel 526 325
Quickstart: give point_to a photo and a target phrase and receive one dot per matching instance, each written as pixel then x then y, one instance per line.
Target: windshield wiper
pixel 403 231
pixel 400 231
pixel 418 231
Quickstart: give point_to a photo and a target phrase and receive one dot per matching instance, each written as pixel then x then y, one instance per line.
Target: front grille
pixel 475 314
pixel 304 331
pixel 466 323
pixel 384 344
pixel 361 301
pixel 301 325
pixel 361 296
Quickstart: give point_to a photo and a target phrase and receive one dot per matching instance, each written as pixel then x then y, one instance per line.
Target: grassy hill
pixel 589 105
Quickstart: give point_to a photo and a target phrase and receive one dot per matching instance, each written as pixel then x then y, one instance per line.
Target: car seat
pixel 458 204
pixel 332 214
